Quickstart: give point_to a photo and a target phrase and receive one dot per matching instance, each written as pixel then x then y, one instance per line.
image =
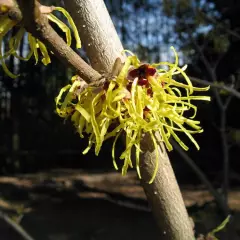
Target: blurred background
pixel 38 149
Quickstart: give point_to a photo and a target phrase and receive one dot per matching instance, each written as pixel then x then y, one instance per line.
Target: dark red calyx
pixel 142 81
pixel 144 71
pixel 146 109
pixel 132 74
pixel 106 85
pixel 129 86
pixel 149 91
pixel 151 71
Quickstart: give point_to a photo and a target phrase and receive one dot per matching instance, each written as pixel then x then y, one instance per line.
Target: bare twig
pixel 16 227
pixel 219 24
pixel 222 106
pixel 218 198
pixel 225 153
pixel 217 85
pixel 37 24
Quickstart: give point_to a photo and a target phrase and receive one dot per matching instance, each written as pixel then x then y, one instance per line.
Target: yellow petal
pixel 72 24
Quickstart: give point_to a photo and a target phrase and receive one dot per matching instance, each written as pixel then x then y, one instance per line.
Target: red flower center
pixel 142 73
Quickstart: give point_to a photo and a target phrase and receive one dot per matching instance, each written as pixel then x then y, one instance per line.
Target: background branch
pixel 16 227
pixel 218 24
pixel 218 197
pixel 223 121
pixel 217 85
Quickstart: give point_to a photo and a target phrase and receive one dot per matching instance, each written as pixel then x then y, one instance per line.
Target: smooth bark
pixel 164 194
pixel 103 46
pixel 97 32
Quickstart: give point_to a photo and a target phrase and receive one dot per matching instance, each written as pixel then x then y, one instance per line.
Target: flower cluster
pixel 36 47
pixel 142 99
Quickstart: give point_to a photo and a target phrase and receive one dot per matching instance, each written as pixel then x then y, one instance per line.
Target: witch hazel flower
pixel 142 99
pixel 37 49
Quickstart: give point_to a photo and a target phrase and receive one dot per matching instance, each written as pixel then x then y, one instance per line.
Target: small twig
pixel 16 227
pixel 210 70
pixel 225 154
pixel 219 24
pixel 227 102
pixel 37 24
pixel 223 123
pixel 222 106
pixel 218 198
pixel 217 85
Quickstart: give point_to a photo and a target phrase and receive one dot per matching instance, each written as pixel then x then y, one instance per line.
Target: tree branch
pixel 219 24
pixel 218 198
pixel 217 85
pixel 16 227
pixel 163 194
pixel 103 47
pixel 37 24
pixel 223 121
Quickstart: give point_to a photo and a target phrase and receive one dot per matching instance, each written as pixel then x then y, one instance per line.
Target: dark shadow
pixel 84 212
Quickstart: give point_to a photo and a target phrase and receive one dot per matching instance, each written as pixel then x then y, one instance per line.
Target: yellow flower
pixel 35 45
pixel 142 99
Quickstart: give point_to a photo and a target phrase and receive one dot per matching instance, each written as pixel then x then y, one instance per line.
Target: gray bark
pixel 103 46
pixel 97 32
pixel 163 194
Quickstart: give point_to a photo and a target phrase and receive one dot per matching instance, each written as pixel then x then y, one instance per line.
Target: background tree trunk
pixel 103 46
